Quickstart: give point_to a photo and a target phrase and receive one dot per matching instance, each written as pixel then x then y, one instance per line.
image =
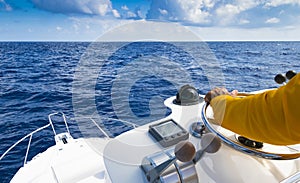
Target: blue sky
pixel 82 20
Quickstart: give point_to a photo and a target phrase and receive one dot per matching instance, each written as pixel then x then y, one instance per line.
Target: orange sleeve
pixel 272 117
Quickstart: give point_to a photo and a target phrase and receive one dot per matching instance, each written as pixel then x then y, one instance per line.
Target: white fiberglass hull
pixel 118 160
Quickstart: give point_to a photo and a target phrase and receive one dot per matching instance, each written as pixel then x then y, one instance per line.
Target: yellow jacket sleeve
pixel 272 117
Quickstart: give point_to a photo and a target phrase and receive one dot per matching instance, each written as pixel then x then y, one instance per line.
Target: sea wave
pixel 37 78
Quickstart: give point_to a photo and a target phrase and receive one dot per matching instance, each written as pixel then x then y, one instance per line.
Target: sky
pixel 212 20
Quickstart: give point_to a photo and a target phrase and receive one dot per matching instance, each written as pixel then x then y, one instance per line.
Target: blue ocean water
pixel 38 78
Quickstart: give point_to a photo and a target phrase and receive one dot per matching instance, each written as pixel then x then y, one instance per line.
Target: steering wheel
pixel 268 151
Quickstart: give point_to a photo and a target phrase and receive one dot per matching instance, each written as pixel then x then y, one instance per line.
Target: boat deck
pixel 75 161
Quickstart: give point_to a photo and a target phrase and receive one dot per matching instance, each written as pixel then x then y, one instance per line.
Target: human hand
pixel 218 91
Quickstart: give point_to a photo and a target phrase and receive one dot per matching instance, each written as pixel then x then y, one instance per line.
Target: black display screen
pixel 167 129
pixel 168 133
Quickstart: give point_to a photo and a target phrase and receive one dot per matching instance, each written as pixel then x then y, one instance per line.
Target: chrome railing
pixel 33 132
pixel 29 142
pixel 64 118
pixel 55 133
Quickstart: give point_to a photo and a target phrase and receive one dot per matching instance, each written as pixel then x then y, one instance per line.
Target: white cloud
pixel 208 12
pixel 244 21
pixel 163 12
pixel 91 7
pixel 240 34
pixel 131 15
pixel 91 27
pixel 149 31
pixel 281 12
pixel 102 9
pixel 58 28
pixel 76 27
pixel 228 10
pixel 189 12
pixel 227 13
pixel 126 13
pixel 246 13
pixel 246 4
pixel 116 13
pixel 125 8
pixel 139 13
pixel 181 10
pixel 209 3
pixel 275 3
pixel 5 6
pixel 273 20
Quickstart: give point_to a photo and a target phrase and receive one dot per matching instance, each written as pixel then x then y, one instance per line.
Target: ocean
pixel 119 82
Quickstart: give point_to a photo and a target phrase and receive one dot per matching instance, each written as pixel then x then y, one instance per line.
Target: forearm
pixel 259 117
